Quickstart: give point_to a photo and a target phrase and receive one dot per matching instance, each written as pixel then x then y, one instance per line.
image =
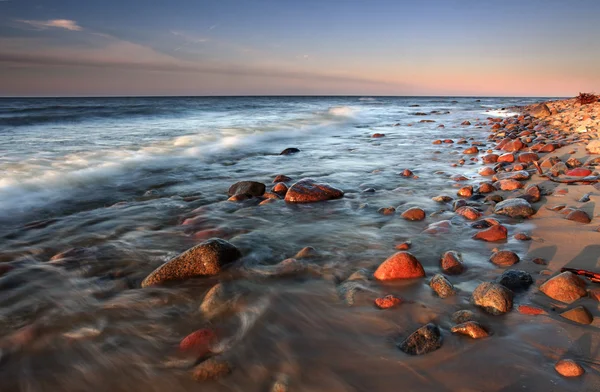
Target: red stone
pixel 528 157
pixel 509 158
pixel 414 214
pixel 530 310
pixel 280 188
pixel 469 213
pixel 513 145
pixel 199 342
pixel 579 172
pixel 401 265
pixel 389 301
pixel 492 234
pixel 308 191
pixel 377 135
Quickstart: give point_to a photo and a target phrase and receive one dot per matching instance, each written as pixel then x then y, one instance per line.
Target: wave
pixel 342 111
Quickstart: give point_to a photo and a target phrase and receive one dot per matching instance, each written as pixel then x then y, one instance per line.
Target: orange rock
pixel 568 368
pixel 465 191
pixel 377 135
pixel 404 246
pixel 509 184
pixel 579 172
pixel 492 234
pixel 486 171
pixel 471 150
pixel 389 301
pixel 528 157
pixel 451 263
pixel 509 158
pixel 401 265
pixel 414 214
pixel 199 342
pixel 513 145
pixel 280 188
pixel 469 213
pixel 565 287
pixel 490 158
pixel 308 191
pixel 530 310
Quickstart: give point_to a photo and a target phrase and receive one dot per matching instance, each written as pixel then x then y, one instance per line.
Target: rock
pixel 211 369
pixel 306 253
pixel 504 258
pixel 539 261
pixel 206 259
pixel 451 263
pixel 518 175
pixel 579 315
pixel 533 194
pixel 267 201
pixel 424 340
pixel 515 208
pixel 290 151
pixel 387 211
pixel 486 171
pixel 465 191
pixel 530 310
pixel 199 342
pixel 442 286
pixel 438 227
pixel 573 163
pixel 568 368
pixel 515 280
pixel 565 287
pixel 540 111
pixel 508 185
pixel 492 234
pixel 350 289
pixel 280 188
pixel 490 158
pixel 401 265
pixel 522 237
pixel 442 199
pixel 462 316
pixel 493 298
pixel 389 301
pixel 508 158
pixel 251 188
pixel 281 178
pixel 218 299
pixel 469 213
pixel 458 204
pixel 465 123
pixel 378 135
pixel 528 157
pixel 309 191
pixel 470 328
pixel 513 146
pixel 404 246
pixel 414 214
pixel 593 147
pixel 407 173
pixel 486 187
pixel 578 216
pixel 471 150
pixel 595 294
pixel 579 172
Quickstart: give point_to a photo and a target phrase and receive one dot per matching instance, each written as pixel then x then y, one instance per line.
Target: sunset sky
pixel 320 47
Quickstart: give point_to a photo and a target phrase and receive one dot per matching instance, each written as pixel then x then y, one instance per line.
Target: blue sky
pixel 226 47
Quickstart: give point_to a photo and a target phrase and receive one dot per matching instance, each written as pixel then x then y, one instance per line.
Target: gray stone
pixel 424 340
pixel 515 208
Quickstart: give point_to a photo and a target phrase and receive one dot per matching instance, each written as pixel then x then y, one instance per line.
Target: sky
pixel 300 47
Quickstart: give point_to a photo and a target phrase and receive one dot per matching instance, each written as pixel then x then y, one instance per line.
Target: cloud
pixel 53 23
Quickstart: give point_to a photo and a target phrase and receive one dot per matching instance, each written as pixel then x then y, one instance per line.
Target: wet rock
pixel 515 208
pixel 240 197
pixel 515 280
pixel 486 171
pixel 490 158
pixel 540 111
pixel 469 213
pixel 518 175
pixel 378 135
pixel 251 188
pixel 199 342
pixel 361 274
pixel 389 301
pixel 350 289
pixel 281 178
pixel 471 150
pixel 532 194
pixel 404 246
pixel 438 227
pixel 267 201
pixel 205 259
pixel 458 204
pixel 486 187
pixel 513 145
pixel 579 315
pixel 280 188
pixel 462 316
pixel 466 191
pixel 530 310
pixel 522 237
pixel 407 173
pixel 306 253
pixel 211 369
pixel 387 211
pixel 452 263
pixel 290 151
pixel 442 199
pixel 579 172
pixel 218 299
pixel 573 163
pixel 465 123
pixel 414 214
pixel 578 216
pixel 508 185
pixel 565 287
pixel 493 298
pixel 504 258
pixel 424 340
pixel 401 265
pixel 442 286
pixel 568 368
pixel 309 191
pixel 492 234
pixel 593 147
pixel 528 157
pixel 470 328
pixel 508 158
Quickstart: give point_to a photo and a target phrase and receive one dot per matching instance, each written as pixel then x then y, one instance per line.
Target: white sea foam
pixel 501 113
pixel 342 111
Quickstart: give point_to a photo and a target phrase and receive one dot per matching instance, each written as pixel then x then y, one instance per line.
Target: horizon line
pixel 282 96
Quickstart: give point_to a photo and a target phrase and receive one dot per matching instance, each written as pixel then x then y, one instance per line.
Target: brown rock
pixel 306 253
pixel 401 265
pixel 470 328
pixel 469 213
pixel 578 216
pixel 578 315
pixel 471 150
pixel 486 171
pixel 513 145
pixel 528 157
pixel 462 316
pixel 530 310
pixel 568 368
pixel 211 369
pixel 281 178
pixel 540 111
pixel 492 234
pixel 404 246
pixel 387 210
pixel 509 158
pixel 573 163
pixel 565 287
pixel 389 301
pixel 504 258
pixel 465 123
pixel 486 187
pixel 442 286
pixel 451 263
pixel 280 188
pixel 522 237
pixel 465 191
pixel 414 214
pixel 437 142
pixel 309 191
pixel 407 173
pixel 509 184
pixel 205 259
pixel 378 135
pixel 490 158
pixel 493 298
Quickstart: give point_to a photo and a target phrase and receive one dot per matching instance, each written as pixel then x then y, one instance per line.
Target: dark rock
pixel 515 208
pixel 515 280
pixel 250 188
pixel 462 316
pixel 424 340
pixel 290 151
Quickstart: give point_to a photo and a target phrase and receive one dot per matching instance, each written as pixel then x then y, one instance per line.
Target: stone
pixel 508 158
pixel 378 135
pixel 492 234
pixel 518 175
pixel 308 190
pixel 515 208
pixel 469 213
pixel 401 265
pixel 522 237
pixel 217 300
pixel 568 368
pixel 493 298
pixel 508 185
pixel 465 191
pixel 451 263
pixel 573 163
pixel 404 246
pixel 442 199
pixel 387 211
pixel 513 145
pixel 486 171
pixel 199 342
pixel 470 328
pixel 424 340
pixel 306 253
pixel 533 194
pixel 281 178
pixel 579 315
pixel 593 147
pixel 250 188
pixel 565 287
pixel 515 280
pixel 442 286
pixel 471 150
pixel 465 123
pixel 528 157
pixel 504 258
pixel 212 369
pixel 205 259
pixel 486 187
pixel 407 173
pixel 490 158
pixel 290 151
pixel 579 172
pixel 414 214
pixel 540 111
pixel 389 301
pixel 462 316
pixel 530 310
pixel 578 216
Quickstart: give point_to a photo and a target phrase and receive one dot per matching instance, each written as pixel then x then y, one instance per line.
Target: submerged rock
pixel 579 315
pixel 516 280
pixel 462 316
pixel 250 188
pixel 205 259
pixel 308 190
pixel 470 328
pixel 493 298
pixel 565 287
pixel 211 369
pixel 199 342
pixel 401 265
pixel 414 214
pixel 452 263
pixel 290 151
pixel 504 258
pixel 515 208
pixel 424 340
pixel 568 368
pixel 389 301
pixel 442 286
pixel 492 234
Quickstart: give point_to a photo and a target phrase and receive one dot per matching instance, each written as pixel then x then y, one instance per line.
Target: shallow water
pixel 120 176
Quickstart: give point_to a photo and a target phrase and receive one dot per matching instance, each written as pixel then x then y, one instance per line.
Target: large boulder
pixel 205 259
pixel 515 208
pixel 308 190
pixel 566 287
pixel 250 188
pixel 424 340
pixel 493 298
pixel 401 265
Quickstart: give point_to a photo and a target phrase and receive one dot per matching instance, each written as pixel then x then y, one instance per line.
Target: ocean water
pixel 132 182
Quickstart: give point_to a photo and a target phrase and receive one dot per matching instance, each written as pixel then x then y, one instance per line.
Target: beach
pixel 297 243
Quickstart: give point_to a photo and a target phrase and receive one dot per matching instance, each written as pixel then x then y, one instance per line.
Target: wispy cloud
pixel 52 23
pixel 213 27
